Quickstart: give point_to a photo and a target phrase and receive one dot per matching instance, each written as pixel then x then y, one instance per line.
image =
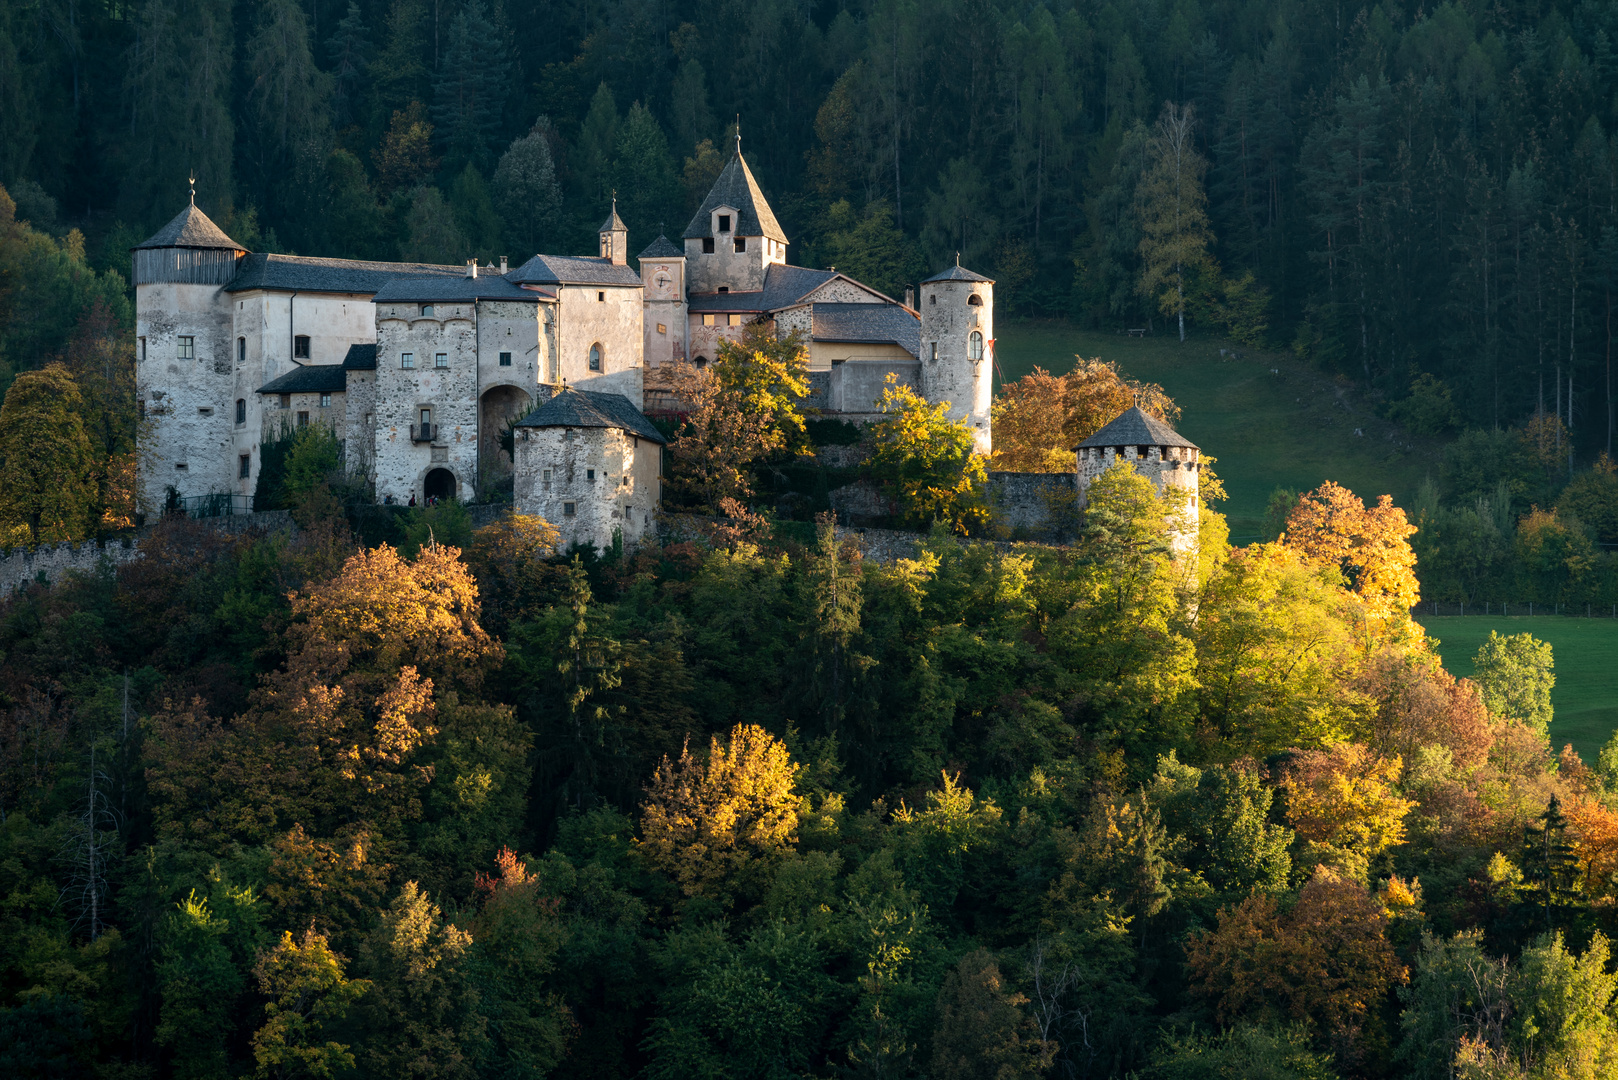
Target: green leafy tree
pixel 201 976
pixel 983 1030
pixel 926 463
pixel 307 992
pixel 431 232
pixel 475 214
pixel 47 483
pixel 1514 672
pixel 526 191
pixel 1239 1052
pixel 870 248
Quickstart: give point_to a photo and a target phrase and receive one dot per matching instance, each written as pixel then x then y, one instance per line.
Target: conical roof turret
pixel 1136 427
pixel 191 228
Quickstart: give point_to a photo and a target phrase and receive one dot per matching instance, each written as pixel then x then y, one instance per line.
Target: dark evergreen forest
pixel 1413 189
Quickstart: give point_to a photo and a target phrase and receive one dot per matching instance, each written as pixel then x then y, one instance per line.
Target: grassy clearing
pixel 1585 650
pixel 1271 420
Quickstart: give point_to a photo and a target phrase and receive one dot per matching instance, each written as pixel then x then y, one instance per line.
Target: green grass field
pixel 1586 655
pixel 1286 427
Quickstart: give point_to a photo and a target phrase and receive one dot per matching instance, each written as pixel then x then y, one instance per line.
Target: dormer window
pixel 724 222
pixel 974 300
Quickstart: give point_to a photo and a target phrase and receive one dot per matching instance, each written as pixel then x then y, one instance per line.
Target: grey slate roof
pixel 614 223
pixel 489 286
pixel 874 323
pixel 571 270
pixel 661 248
pixel 311 379
pixel 737 188
pixel 958 273
pixel 360 358
pixel 784 286
pixel 1135 428
pixel 589 409
pixel 286 273
pixel 191 228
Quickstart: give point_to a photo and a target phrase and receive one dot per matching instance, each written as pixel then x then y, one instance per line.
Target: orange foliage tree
pixel 1370 546
pixel 1344 800
pixel 1041 417
pixel 1326 961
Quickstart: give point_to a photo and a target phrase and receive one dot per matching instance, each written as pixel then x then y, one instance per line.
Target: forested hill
pixel 1413 188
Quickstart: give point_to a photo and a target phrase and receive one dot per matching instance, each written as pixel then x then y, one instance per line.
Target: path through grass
pixel 1586 655
pixel 1270 419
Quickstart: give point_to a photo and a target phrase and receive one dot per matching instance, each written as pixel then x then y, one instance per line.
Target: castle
pixel 423 371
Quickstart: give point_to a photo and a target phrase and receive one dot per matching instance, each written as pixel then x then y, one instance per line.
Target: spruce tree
pixel 526 192
pixel 349 50
pixel 471 88
pixel 643 173
pixel 1548 863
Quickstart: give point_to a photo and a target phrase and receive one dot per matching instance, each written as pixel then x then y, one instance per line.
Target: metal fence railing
pixel 1437 608
pixel 220 505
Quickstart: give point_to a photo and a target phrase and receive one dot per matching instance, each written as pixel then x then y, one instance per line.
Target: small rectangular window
pixel 661 329
pixel 724 222
pixel 707 320
pixel 244 465
pixel 545 476
pixel 407 360
pixel 186 348
pixel 568 508
pixel 734 320
pixel 286 401
pixel 741 243
pixel 141 341
pixel 935 350
pixel 505 359
pixel 590 475
pixel 205 410
pixel 426 309
pixel 241 350
pixel 241 410
pixel 707 245
pixel 303 419
pixel 325 401
pixel 441 360
pixel 140 408
pixel 300 347
pixel 601 297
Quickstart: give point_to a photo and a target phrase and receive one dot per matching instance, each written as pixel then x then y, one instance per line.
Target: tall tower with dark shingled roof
pixel 733 237
pixel 1155 451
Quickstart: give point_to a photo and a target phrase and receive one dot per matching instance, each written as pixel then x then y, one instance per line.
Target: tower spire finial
pixel 957 258
pixel 193 189
pixel 738 134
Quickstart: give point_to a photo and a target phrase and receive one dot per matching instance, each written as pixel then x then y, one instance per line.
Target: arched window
pixel 241 410
pixel 974 346
pixel 595 358
pixel 974 300
pixel 701 361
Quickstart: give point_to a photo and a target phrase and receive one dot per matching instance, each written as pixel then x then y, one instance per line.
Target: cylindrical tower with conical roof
pixel 957 334
pixel 184 367
pixel 1155 451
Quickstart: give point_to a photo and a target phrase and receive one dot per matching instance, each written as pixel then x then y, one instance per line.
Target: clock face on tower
pixel 661 280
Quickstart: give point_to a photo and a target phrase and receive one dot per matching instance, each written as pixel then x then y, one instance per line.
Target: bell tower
pixel 615 237
pixel 957 342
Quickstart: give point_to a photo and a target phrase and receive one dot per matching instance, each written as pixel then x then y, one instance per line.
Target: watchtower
pixel 1155 451
pixel 957 339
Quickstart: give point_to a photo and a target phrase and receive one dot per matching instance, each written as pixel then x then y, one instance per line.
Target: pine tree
pixel 526 192
pixel 475 214
pixel 592 163
pixel 471 88
pixel 1549 865
pixel 400 69
pixel 349 51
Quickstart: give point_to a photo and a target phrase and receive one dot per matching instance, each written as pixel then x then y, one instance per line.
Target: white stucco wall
pixel 613 317
pixel 554 469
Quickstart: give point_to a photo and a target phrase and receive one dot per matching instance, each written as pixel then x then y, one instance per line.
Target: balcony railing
pixel 423 432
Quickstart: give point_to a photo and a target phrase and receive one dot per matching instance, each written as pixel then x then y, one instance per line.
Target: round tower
pixel 957 342
pixel 1155 451
pixel 185 369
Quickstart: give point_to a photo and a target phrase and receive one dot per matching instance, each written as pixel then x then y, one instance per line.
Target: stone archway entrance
pixel 439 484
pixel 499 406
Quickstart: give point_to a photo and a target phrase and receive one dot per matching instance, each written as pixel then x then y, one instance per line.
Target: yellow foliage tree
pixel 1343 802
pixel 1370 546
pixel 47 467
pixel 1041 417
pixel 927 462
pixel 708 819
pixel 307 989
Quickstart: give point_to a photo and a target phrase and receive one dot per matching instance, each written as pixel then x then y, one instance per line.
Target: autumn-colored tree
pixel 1173 208
pixel 926 463
pixel 1040 418
pixel 1344 802
pixel 1370 546
pixel 405 156
pixel 1415 703
pixel 47 467
pixel 707 820
pixel 308 992
pixel 983 1030
pixel 1595 847
pixel 741 409
pixel 509 558
pixel 1326 961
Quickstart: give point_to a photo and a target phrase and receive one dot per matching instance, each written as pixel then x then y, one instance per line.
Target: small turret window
pixel 241 350
pixel 974 346
pixel 974 300
pixel 595 358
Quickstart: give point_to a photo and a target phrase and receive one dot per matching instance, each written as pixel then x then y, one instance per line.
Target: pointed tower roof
pixel 737 188
pixel 614 223
pixel 1136 428
pixel 958 273
pixel 661 248
pixel 191 228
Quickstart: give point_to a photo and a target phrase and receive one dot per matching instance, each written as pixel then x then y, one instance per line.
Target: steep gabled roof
pixel 958 273
pixel 360 358
pixel 661 248
pixel 310 379
pixel 286 273
pixel 191 228
pixel 877 324
pixel 590 409
pixel 572 270
pixel 736 188
pixel 1136 428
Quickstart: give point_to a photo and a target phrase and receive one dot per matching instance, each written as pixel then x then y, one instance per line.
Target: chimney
pixel 471 268
pixel 910 297
pixel 502 264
